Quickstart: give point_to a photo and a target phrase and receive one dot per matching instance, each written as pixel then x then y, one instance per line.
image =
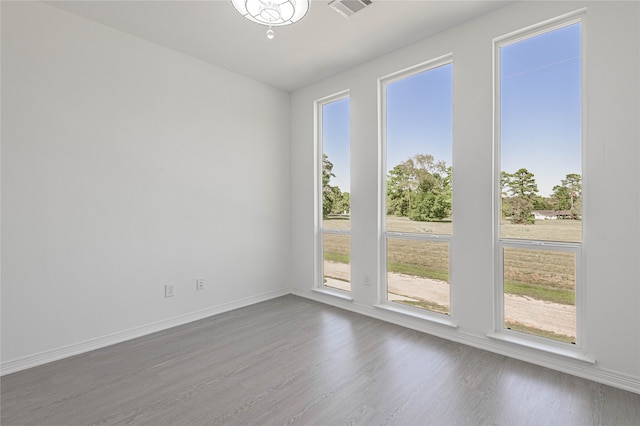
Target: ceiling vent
pixel 347 8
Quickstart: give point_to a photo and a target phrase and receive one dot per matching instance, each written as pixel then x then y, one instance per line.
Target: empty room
pixel 324 212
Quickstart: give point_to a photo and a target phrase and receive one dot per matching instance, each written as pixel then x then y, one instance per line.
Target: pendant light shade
pixel 272 12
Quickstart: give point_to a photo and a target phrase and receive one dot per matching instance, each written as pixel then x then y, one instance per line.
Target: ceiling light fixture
pixel 274 13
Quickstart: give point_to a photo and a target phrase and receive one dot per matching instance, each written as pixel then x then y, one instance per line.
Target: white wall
pixel 126 166
pixel 611 239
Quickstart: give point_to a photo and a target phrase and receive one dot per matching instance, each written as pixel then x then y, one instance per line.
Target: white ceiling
pixel 323 44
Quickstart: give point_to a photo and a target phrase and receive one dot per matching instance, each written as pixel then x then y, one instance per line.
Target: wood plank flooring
pixel 292 361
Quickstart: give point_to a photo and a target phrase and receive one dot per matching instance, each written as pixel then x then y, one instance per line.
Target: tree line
pixel 420 189
pixel 520 197
pixel 334 201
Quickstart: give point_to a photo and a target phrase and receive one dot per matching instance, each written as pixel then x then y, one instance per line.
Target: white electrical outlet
pixel 169 290
pixel 367 280
pixel 200 284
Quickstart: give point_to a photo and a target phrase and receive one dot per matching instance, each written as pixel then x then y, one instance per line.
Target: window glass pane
pixel 540 293
pixel 418 273
pixel 337 259
pixel 541 137
pixel 418 151
pixel 336 200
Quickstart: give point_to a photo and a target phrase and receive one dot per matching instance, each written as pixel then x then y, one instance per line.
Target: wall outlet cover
pixel 200 284
pixel 169 290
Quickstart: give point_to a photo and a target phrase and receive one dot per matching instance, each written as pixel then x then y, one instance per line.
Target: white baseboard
pixel 574 367
pixel 56 354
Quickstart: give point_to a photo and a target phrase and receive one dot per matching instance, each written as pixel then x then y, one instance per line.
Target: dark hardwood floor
pixel 294 361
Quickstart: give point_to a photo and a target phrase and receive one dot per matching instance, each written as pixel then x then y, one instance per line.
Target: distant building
pixel 552 214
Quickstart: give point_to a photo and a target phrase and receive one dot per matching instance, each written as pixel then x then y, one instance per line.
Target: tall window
pixel 540 182
pixel 417 131
pixel 333 193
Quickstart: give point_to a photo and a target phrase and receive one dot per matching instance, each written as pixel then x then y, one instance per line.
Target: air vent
pixel 347 8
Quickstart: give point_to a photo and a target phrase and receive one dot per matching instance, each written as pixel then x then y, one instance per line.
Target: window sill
pixel 549 348
pixel 431 318
pixel 333 293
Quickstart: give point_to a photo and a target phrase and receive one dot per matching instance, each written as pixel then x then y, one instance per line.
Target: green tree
pixel 522 184
pixel 561 198
pixel 430 206
pixel 337 200
pixel 401 185
pixel 507 209
pixel 420 188
pixel 327 192
pixel 568 195
pixel 343 204
pixel 522 211
pixel 541 203
pixel 521 188
pixel 505 178
pixel 333 199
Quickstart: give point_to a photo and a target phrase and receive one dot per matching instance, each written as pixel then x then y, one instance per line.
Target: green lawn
pixel 561 296
pixel 417 271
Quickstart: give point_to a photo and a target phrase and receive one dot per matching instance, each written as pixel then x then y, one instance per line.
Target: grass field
pixel 428 259
pixel 540 274
pixel 545 230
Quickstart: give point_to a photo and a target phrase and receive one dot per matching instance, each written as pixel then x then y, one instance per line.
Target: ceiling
pixel 323 44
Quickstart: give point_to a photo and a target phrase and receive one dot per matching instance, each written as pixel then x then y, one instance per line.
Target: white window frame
pixel 577 350
pixel 383 302
pixel 320 231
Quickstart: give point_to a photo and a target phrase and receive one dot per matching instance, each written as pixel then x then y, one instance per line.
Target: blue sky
pixel 419 116
pixel 541 106
pixel 335 140
pixel 540 113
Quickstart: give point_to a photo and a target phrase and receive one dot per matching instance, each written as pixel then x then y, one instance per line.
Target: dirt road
pixel 548 316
